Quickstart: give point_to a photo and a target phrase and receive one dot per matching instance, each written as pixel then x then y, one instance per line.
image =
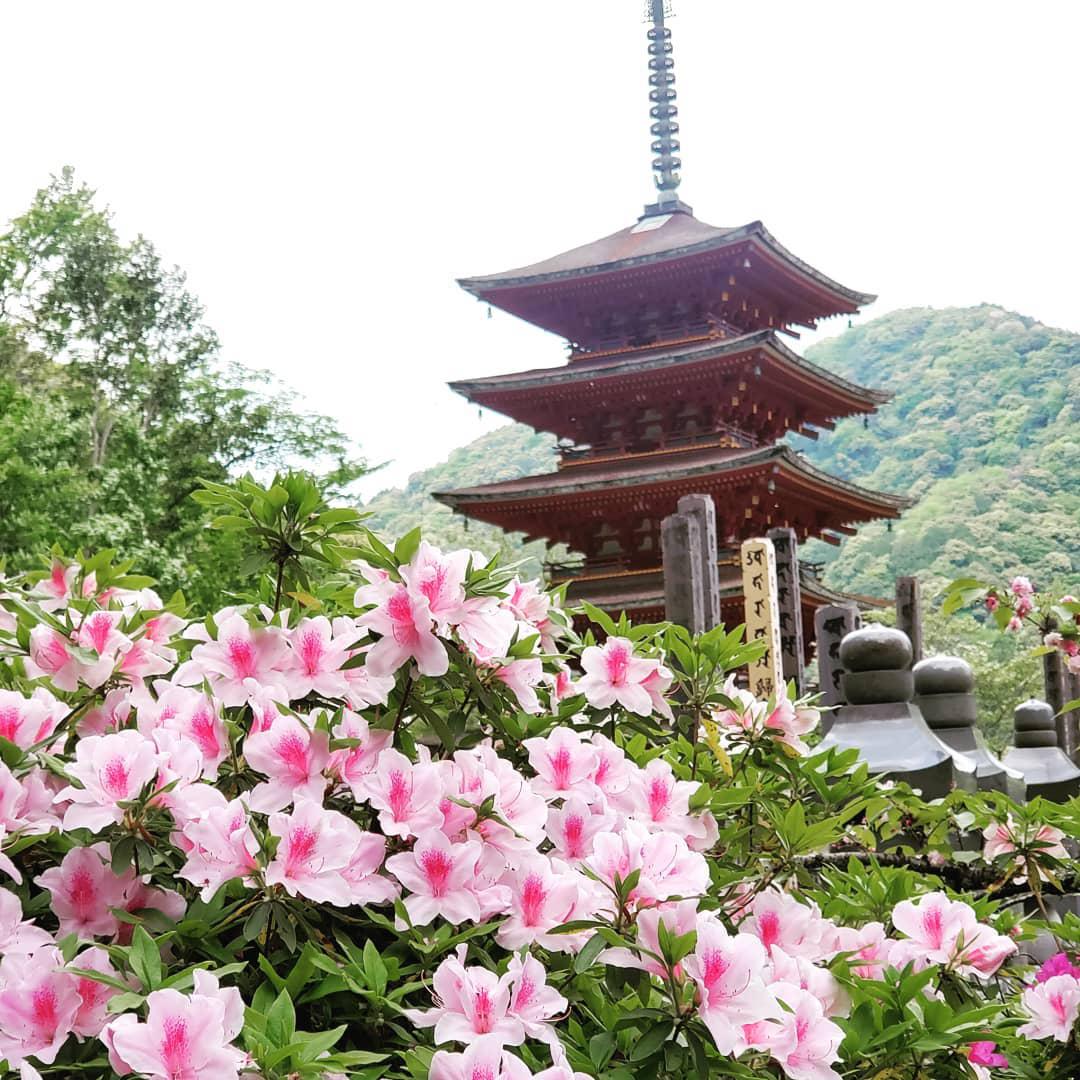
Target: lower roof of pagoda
pixel 554 505
pixel 558 399
pixel 669 253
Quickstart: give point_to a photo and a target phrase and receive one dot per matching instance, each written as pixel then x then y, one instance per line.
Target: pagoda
pixel 678 381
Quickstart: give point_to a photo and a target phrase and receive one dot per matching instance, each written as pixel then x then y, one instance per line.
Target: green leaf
pixel 407 546
pixel 651 1041
pixel 591 950
pixel 145 959
pixel 281 1020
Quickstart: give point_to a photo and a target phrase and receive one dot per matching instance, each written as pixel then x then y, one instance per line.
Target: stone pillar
pixel 762 616
pixel 703 510
pixel 1035 753
pixel 909 614
pixel 680 541
pixel 1072 693
pixel 832 623
pixel 879 720
pixel 789 601
pixel 944 693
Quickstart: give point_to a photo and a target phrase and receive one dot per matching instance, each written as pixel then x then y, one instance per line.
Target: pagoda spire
pixel 665 127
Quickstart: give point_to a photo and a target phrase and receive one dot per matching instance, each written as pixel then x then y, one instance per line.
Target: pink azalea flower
pixel 29 720
pixel 660 801
pixel 819 981
pixel 111 715
pixel 679 918
pixel 404 621
pixel 112 769
pixel 440 579
pixel 522 808
pixel 528 603
pixel 1021 586
pixel 728 973
pixel 94 996
pixel 542 897
pixel 438 875
pixel 317 848
pixel 869 948
pixel 316 654
pixel 486 628
pixel 942 931
pixel 83 891
pixel 140 895
pixel 484 1059
pixel 99 632
pixel 293 757
pixel 789 723
pixel 38 1005
pixel 802 1040
pixel 469 1002
pixel 669 869
pixel 1003 838
pixel 656 684
pixel 50 657
pixel 1053 1006
pixel 239 663
pixel 613 772
pixel 18 935
pixel 1058 964
pixel 26 804
pixel 184 1036
pixel 571 828
pixel 57 588
pixel 352 764
pixel 222 847
pixel 564 765
pixel 532 1001
pixel 779 920
pixel 521 677
pixel 407 796
pixel 613 674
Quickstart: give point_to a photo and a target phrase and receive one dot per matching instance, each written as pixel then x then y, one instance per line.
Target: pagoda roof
pixel 643 470
pixel 661 241
pixel 518 394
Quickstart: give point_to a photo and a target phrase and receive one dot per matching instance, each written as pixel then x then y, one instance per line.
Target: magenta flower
pixel 292 756
pixel 1058 964
pixel 112 769
pixel 983 1053
pixel 438 875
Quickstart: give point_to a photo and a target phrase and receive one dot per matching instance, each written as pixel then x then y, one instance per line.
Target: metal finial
pixel 665 128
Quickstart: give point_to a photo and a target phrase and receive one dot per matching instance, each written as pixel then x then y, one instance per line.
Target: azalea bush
pixel 397 813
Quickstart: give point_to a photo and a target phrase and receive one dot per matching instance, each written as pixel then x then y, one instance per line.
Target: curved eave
pixel 486 391
pixel 488 287
pixel 584 481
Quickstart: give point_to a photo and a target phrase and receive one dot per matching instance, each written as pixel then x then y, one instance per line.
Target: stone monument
pixel 1047 770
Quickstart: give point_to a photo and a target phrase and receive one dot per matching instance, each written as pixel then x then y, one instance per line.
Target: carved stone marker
pixel 680 542
pixel 1046 768
pixel 789 603
pixel 944 692
pixel 703 510
pixel 832 623
pixel 881 723
pixel 762 615
pixel 909 614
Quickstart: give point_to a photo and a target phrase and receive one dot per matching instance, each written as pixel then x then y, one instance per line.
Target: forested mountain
pixel 983 429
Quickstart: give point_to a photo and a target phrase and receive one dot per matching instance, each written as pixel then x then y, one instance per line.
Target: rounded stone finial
pixel 1033 715
pixel 943 675
pixel 1034 725
pixel 875 648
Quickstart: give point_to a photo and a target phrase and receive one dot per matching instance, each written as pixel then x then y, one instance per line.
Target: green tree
pixel 114 400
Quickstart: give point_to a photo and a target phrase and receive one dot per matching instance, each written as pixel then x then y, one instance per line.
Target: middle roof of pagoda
pixel 561 293
pixel 545 398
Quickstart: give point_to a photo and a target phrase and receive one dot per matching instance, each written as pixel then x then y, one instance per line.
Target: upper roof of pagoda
pixel 738 275
pixel 559 399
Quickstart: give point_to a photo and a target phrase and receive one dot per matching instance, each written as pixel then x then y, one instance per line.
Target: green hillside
pixel 982 430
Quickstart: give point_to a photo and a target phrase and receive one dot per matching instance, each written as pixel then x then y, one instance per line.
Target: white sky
pixel 323 171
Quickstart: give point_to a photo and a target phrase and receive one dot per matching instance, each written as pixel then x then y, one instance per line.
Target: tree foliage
pixel 114 399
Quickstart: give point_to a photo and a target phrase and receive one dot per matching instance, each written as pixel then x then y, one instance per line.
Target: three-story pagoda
pixel 678 382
